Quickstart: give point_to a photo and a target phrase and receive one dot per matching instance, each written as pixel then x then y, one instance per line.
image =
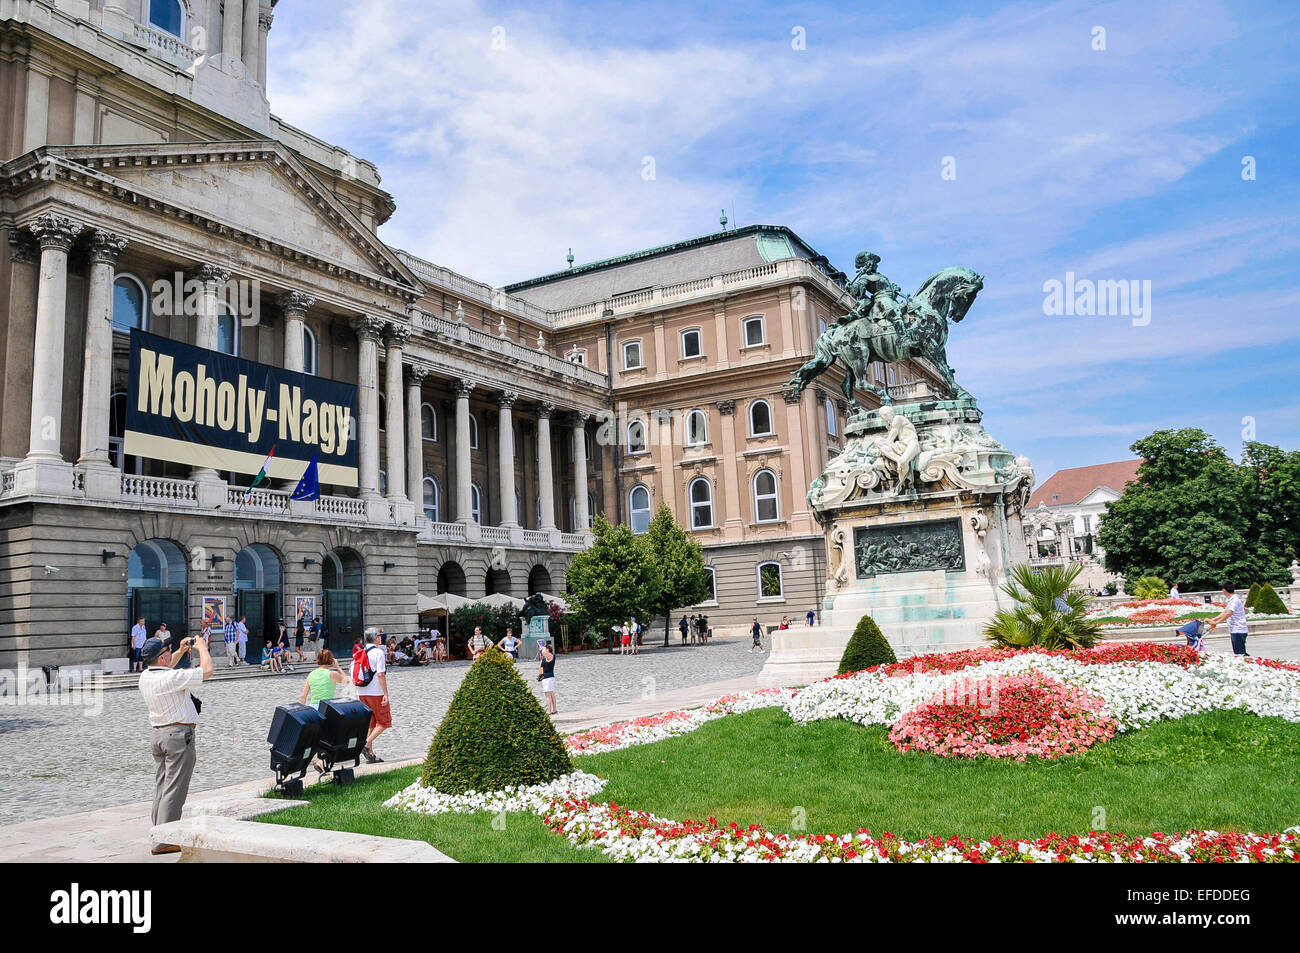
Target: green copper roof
pixel 774 247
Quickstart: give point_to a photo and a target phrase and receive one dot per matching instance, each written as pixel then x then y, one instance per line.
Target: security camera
pixel 51 570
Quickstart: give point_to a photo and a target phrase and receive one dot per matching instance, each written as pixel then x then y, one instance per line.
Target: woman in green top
pixel 320 683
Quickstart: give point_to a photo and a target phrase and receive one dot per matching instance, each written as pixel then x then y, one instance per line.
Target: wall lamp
pixel 308 561
pixel 388 566
pixel 106 554
pixel 218 559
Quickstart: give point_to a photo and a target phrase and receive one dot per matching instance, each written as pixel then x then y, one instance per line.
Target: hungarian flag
pixel 260 478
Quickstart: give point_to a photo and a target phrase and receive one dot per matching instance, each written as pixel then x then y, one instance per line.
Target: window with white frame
pixel 632 356
pixel 701 497
pixel 310 354
pixel 832 419
pixel 697 428
pixel 713 584
pixel 638 505
pixel 130 303
pixel 770 583
pixel 428 423
pixel 753 331
pixel 168 16
pixel 431 499
pixel 227 330
pixel 577 356
pixel 636 442
pixel 473 432
pixel 766 506
pixel 692 343
pixel 475 503
pixel 760 419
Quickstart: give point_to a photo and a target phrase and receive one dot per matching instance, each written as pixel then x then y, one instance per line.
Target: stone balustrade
pixel 166 44
pixel 143 489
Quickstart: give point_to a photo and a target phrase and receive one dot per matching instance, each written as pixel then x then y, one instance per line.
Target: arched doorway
pixel 258 594
pixel 498 580
pixel 342 578
pixel 451 578
pixel 157 587
pixel 539 580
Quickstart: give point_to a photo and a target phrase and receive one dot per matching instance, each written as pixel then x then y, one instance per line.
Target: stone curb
pixel 211 839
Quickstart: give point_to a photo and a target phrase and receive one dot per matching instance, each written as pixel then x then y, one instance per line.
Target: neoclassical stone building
pixel 145 184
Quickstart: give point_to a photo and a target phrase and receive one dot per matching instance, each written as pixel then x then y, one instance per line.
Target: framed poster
pixel 214 611
pixel 304 608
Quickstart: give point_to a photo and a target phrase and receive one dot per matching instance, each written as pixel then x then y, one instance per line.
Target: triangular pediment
pixel 257 189
pixel 1102 494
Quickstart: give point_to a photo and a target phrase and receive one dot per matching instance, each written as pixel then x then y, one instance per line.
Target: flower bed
pixel 1163 613
pixel 1011 717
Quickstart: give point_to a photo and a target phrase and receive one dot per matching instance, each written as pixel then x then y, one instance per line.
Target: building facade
pixel 144 184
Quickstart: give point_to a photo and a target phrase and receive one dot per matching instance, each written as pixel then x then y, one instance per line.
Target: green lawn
pixel 1224 770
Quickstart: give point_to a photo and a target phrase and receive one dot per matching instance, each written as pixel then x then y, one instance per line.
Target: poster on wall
pixel 304 609
pixel 202 408
pixel 214 611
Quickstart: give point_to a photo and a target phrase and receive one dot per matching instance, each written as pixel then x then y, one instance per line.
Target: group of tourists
pixel 695 629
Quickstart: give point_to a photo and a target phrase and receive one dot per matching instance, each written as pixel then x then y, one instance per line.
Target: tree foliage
pixel 1194 515
pixel 1048 611
pixel 612 581
pixel 680 562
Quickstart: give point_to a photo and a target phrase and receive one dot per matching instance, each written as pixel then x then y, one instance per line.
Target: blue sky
pixel 510 132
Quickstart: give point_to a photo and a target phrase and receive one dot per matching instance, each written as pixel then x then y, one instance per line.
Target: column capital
pixel 545 410
pixel 396 334
pixel 507 399
pixel 726 407
pixel 577 419
pixel 52 230
pixel 415 374
pixel 368 327
pixel 265 19
pixel 464 388
pixel 295 303
pixel 211 274
pixel 106 247
pixel 23 247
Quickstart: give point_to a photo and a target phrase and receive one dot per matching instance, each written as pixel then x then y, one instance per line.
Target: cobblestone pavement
pixel 59 760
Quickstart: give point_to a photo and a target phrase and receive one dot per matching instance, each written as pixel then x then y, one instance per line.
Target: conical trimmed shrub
pixel 1268 602
pixel 1252 595
pixel 866 648
pixel 494 734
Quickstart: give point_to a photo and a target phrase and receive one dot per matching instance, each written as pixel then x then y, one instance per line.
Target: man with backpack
pixel 370 676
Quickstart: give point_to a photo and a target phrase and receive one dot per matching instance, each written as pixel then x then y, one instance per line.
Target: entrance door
pixel 161 605
pixel 342 619
pixel 262 609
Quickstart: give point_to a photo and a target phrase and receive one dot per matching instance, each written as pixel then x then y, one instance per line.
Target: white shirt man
pixel 1174 593
pixel 1234 611
pixel 375 695
pixel 241 640
pixel 138 635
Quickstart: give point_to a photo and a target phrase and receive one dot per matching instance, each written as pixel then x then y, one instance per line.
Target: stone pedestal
pixel 922 523
pixel 101 481
pixel 42 476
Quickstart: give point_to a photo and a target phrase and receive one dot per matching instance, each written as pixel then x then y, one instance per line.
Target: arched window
pixel 428 422
pixel 475 503
pixel 770 583
pixel 632 356
pixel 713 584
pixel 697 428
pixel 227 330
pixel 130 304
pixel 473 432
pixel 639 508
pixel 760 418
pixel 431 499
pixel 692 343
pixel 832 419
pixel 168 16
pixel 753 331
pixel 766 507
pixel 701 497
pixel 636 442
pixel 310 354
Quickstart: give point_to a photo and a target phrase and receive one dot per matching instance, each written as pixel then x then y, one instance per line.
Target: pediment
pixel 258 190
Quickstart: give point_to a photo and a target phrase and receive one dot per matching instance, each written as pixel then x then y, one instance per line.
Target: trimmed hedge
pixel 1268 602
pixel 866 648
pixel 494 734
pixel 1252 595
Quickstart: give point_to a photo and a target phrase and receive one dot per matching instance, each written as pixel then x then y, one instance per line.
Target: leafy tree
pixel 867 647
pixel 494 734
pixel 613 580
pixel 680 561
pixel 493 620
pixel 1048 612
pixel 1194 515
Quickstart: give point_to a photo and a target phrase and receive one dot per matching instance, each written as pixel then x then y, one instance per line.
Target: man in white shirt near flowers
pixel 1235 614
pixel 173 718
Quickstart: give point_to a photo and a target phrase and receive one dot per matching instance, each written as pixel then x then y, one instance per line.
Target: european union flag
pixel 308 487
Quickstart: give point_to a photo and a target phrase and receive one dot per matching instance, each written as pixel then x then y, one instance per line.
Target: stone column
pixel 232 34
pixel 24 275
pixel 251 43
pixel 295 305
pixel 415 376
pixel 55 234
pixel 368 329
pixel 97 381
pixel 581 509
pixel 395 337
pixel 207 336
pixel 795 439
pixel 506 457
pixel 464 498
pixel 545 471
pixel 264 21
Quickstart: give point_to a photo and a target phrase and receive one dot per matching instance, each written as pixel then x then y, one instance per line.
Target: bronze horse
pixel 918 329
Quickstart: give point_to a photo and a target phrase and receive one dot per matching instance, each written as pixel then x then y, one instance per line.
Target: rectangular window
pixel 691 346
pixel 753 331
pixel 632 356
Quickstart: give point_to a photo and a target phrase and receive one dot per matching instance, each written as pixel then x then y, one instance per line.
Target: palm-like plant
pixel 1048 612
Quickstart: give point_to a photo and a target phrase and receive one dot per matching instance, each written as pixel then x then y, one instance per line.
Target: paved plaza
pixel 62 761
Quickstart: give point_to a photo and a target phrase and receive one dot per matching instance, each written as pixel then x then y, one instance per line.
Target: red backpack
pixel 362 673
